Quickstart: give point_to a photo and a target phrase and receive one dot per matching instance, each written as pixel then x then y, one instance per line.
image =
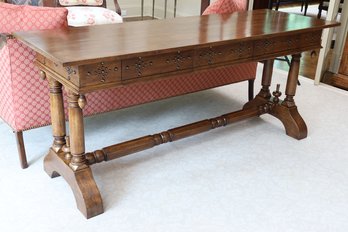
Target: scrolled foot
pixel 49 165
pixel 294 124
pixel 86 192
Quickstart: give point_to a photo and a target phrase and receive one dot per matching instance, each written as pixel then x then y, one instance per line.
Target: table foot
pixel 255 103
pixel 290 117
pixel 87 195
pixel 294 124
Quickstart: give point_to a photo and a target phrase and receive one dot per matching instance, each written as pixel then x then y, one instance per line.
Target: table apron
pixel 117 72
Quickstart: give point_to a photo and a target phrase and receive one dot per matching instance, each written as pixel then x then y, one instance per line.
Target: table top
pixel 86 45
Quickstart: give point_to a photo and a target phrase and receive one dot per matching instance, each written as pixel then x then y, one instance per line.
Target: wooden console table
pixel 87 59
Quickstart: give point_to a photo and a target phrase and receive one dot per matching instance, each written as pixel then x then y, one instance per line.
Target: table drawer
pixel 313 38
pixel 275 45
pixel 158 64
pixel 86 75
pixel 224 53
pixel 70 73
pixel 103 72
pixel 287 43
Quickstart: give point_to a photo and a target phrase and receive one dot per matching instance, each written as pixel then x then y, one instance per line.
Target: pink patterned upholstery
pixel 24 97
pixel 226 6
pixel 25 18
pixel 6 98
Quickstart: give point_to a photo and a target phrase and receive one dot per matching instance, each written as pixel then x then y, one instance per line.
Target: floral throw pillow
pixel 81 2
pixel 87 16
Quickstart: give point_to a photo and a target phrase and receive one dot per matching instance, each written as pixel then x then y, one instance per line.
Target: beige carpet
pixel 247 177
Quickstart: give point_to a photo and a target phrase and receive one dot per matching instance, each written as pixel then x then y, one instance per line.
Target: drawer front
pixel 100 73
pixel 221 54
pixel 155 65
pixel 86 75
pixel 313 38
pixel 287 43
pixel 270 46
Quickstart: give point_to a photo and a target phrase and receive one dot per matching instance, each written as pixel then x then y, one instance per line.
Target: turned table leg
pixel 58 126
pixel 286 111
pixel 266 79
pixel 70 162
pixel 86 192
pixel 265 94
pixel 57 114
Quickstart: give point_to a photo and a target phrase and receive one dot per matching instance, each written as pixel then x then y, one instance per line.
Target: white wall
pixel 184 7
pixel 133 7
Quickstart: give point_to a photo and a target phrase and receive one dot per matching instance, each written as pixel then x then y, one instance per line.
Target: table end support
pixel 294 124
pixel 81 182
pixel 286 111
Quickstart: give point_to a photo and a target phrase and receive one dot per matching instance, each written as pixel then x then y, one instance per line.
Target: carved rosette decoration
pixel 312 37
pixel 102 71
pixel 71 71
pixel 293 41
pixel 178 59
pixel 241 50
pixel 265 46
pixel 140 65
pixel 210 55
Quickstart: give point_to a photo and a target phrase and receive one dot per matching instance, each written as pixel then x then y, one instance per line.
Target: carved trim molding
pixel 210 55
pixel 139 66
pixel 102 71
pixel 178 59
pixel 70 70
pixel 242 49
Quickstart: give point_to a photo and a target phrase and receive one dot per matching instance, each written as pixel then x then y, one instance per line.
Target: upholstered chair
pixel 87 12
pixel 24 97
pixel 226 6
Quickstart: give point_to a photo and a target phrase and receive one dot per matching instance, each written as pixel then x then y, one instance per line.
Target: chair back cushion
pixel 24 98
pixel 25 18
pixel 81 2
pixel 226 6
